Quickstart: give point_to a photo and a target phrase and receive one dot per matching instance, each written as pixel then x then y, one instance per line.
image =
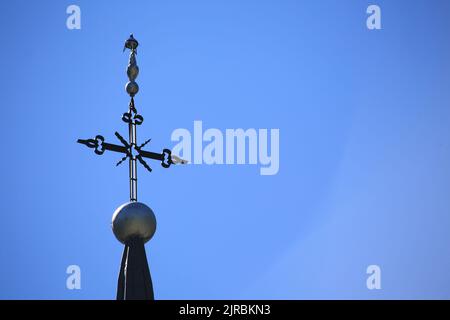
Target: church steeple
pixel 133 223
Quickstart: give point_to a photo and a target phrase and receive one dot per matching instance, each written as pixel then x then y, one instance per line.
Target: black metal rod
pixel 114 147
pixel 152 155
pixel 133 165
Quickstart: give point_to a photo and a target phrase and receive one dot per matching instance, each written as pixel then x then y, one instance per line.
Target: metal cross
pixel 130 149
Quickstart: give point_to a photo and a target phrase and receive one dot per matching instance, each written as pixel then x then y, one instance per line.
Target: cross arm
pixel 100 146
pixel 165 157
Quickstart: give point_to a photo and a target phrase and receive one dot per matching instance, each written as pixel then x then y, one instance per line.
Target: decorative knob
pixel 131 43
pixel 132 70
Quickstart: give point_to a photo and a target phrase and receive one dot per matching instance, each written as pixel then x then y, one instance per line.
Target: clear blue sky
pixel 364 119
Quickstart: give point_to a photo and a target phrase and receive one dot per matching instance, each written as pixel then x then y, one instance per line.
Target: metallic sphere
pixel 132 88
pixel 132 72
pixel 133 219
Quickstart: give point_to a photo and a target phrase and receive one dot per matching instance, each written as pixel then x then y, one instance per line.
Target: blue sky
pixel 364 119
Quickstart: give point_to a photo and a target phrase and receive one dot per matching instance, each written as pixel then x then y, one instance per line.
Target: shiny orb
pixel 132 72
pixel 132 88
pixel 133 219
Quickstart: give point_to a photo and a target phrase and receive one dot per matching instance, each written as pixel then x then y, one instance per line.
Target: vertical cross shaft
pixel 132 88
pixel 133 165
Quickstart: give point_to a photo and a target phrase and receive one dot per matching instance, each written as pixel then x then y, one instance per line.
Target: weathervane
pixel 130 149
pixel 133 223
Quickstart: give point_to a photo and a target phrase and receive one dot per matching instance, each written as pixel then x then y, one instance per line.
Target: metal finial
pixel 132 70
pixel 130 149
pixel 131 43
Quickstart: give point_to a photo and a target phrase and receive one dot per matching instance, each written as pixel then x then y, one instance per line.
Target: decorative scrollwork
pixel 96 144
pixel 130 118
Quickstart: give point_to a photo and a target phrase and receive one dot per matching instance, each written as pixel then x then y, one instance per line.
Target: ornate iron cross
pixel 130 149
